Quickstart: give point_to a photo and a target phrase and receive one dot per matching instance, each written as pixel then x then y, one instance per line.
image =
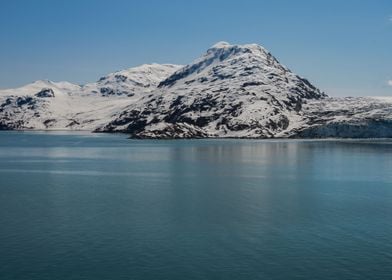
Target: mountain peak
pixel 229 91
pixel 132 81
pixel 221 44
pixel 229 60
pixel 253 48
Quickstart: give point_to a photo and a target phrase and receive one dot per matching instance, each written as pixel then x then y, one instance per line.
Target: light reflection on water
pixel 88 206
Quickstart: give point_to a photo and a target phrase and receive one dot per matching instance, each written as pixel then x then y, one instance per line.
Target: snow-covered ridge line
pixel 230 91
pixel 48 105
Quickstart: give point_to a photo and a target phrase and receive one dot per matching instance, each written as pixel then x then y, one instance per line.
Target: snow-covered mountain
pixel 359 117
pixel 132 81
pixel 230 91
pixel 62 105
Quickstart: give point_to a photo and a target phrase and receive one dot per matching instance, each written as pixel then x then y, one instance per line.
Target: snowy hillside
pixel 62 105
pixel 230 91
pixel 359 117
pixel 133 81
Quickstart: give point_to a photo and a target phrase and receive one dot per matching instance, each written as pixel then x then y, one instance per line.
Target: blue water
pixel 94 206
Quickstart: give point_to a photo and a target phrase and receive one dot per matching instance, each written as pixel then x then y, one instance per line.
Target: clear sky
pixel 343 47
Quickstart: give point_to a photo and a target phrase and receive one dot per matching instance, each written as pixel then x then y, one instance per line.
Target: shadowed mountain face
pixel 230 91
pixel 360 117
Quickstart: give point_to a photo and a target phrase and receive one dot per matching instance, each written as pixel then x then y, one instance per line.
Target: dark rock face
pixel 360 117
pixel 49 122
pixel 45 92
pixel 7 102
pixel 108 91
pixel 120 78
pixel 26 100
pixel 4 126
pixel 363 129
pixel 8 124
pixel 17 111
pixel 173 131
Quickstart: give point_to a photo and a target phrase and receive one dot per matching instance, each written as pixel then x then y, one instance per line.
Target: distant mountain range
pixel 238 91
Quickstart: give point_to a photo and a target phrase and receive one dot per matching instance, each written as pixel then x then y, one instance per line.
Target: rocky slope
pixel 360 117
pixel 62 105
pixel 230 91
pixel 132 82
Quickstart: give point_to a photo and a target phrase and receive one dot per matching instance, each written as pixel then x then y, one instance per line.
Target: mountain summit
pixel 230 91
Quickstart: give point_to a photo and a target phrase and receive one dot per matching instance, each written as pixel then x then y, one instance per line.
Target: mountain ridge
pixel 231 91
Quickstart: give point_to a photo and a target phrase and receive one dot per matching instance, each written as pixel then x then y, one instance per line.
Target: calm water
pixel 85 206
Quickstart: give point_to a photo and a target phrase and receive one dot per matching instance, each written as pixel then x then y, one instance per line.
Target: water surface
pixel 95 206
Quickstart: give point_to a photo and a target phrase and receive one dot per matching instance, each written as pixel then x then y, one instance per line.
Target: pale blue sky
pixel 343 47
